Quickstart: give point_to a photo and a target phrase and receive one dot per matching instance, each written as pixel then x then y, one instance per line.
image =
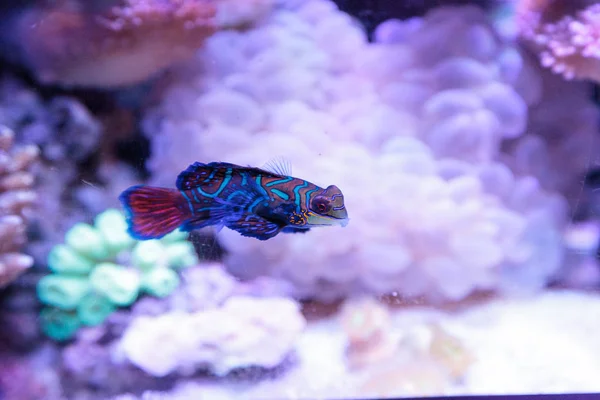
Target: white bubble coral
pixel 408 127
pixel 244 332
pixel 415 230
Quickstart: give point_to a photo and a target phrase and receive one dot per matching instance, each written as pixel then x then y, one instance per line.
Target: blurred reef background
pixel 464 134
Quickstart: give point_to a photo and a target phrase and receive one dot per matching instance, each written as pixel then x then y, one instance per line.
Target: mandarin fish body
pixel 255 202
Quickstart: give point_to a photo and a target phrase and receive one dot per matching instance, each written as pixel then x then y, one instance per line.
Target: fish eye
pixel 321 205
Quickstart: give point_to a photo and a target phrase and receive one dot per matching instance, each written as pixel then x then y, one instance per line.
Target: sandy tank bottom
pixel 539 344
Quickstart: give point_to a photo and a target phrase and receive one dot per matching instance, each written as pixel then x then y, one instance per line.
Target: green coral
pixel 59 324
pixel 119 284
pixel 100 267
pixel 160 282
pixel 93 309
pixel 62 291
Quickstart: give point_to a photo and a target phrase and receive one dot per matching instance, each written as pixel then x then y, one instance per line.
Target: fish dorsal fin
pixel 199 174
pixel 279 166
pixel 193 176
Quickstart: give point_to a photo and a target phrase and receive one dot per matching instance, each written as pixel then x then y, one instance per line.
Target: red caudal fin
pixel 153 212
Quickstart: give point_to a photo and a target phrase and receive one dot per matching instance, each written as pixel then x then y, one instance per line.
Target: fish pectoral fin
pixel 255 226
pixel 293 229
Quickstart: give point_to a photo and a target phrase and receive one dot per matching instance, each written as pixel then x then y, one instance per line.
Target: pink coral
pixel 119 46
pixel 366 323
pixel 566 35
pixel 16 202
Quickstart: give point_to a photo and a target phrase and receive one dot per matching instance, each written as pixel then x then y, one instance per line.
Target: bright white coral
pixel 243 332
pixel 409 127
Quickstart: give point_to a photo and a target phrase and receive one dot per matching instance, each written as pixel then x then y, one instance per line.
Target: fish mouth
pixel 321 220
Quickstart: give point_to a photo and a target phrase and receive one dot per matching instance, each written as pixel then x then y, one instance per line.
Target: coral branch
pixel 16 204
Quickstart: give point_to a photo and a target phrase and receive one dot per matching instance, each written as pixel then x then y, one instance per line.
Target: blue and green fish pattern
pixel 255 202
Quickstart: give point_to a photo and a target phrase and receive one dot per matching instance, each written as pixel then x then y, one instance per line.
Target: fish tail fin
pixel 153 212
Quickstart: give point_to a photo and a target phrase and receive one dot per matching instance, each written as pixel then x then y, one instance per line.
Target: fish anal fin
pixel 293 229
pixel 213 216
pixel 197 223
pixel 255 226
